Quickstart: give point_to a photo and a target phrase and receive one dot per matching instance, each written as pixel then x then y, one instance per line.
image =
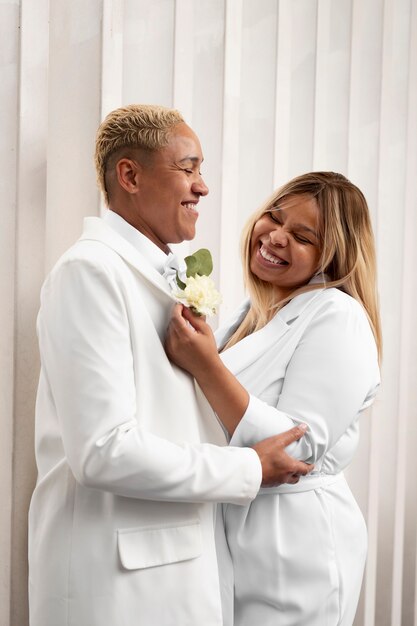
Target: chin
pixel 189 235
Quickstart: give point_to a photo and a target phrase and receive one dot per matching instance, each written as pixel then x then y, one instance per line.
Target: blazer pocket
pixel 152 546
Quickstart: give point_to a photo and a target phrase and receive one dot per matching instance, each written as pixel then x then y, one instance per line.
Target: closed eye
pixel 277 220
pixel 189 171
pixel 274 217
pixel 301 239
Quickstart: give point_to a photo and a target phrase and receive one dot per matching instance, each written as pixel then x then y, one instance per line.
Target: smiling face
pixel 165 189
pixel 285 246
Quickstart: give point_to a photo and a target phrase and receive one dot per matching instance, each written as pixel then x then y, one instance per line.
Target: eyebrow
pixel 194 159
pixel 307 228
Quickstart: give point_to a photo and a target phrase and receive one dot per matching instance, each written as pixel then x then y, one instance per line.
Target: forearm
pixel 261 421
pixel 327 393
pixel 133 463
pixel 190 344
pixel 224 392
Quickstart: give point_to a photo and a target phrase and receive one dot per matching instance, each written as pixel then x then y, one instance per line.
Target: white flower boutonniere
pixel 198 290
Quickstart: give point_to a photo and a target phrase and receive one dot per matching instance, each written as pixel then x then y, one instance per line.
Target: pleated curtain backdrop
pixel 274 88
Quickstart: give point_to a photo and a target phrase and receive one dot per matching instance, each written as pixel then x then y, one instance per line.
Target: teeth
pixel 189 205
pixel 269 257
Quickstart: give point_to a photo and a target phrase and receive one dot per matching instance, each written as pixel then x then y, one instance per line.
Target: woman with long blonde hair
pixel 304 348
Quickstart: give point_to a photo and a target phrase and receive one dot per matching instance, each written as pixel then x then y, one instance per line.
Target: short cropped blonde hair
pixel 143 126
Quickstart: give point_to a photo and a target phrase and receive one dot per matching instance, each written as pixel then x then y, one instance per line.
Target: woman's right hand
pixel 190 342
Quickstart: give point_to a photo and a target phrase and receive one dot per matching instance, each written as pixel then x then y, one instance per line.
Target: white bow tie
pixel 173 265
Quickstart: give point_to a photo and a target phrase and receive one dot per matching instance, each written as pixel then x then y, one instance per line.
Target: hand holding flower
pixel 190 343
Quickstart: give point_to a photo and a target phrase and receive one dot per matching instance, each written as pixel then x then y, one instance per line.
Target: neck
pixel 137 222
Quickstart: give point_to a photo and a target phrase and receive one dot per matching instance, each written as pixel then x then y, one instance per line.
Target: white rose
pixel 200 294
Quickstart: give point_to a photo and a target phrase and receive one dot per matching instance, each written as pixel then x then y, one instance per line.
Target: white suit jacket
pixel 315 362
pixel 298 550
pixel 121 520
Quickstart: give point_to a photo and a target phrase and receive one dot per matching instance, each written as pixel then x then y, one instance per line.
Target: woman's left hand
pixel 190 342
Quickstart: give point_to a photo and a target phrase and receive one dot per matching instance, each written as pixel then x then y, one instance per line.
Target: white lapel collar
pixel 223 333
pixel 95 229
pixel 296 306
pixel 245 352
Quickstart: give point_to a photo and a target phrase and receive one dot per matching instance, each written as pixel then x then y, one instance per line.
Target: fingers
pixel 176 331
pixel 293 480
pixel 177 314
pixel 179 325
pixel 294 434
pixel 198 322
pixel 302 469
pixel 182 318
pixel 296 469
pixel 191 315
pixel 299 469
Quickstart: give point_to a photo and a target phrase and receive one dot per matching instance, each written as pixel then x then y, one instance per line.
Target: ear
pixel 128 173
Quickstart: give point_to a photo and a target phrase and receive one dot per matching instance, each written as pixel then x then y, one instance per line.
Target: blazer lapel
pixel 223 333
pixel 296 307
pixel 248 350
pixel 245 352
pixel 95 229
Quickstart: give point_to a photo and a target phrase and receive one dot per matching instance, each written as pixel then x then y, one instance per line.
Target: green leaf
pixel 199 262
pixel 192 265
pixel 180 284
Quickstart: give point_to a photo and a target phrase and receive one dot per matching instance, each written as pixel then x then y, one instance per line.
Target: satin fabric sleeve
pixel 332 376
pixel 87 358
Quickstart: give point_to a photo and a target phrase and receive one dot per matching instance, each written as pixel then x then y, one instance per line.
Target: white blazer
pixel 295 555
pixel 121 520
pixel 314 362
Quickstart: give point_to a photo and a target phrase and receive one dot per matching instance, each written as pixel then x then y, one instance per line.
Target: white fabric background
pixel 274 88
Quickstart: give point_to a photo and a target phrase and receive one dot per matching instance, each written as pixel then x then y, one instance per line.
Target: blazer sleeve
pixel 87 360
pixel 332 376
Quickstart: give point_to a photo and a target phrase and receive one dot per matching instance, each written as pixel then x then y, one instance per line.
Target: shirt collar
pixel 154 255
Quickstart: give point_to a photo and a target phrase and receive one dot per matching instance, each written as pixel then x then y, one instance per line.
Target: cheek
pixel 308 259
pixel 258 231
pixel 253 240
pixel 315 261
pixel 317 256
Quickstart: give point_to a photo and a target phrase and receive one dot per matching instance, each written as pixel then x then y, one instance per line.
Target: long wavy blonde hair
pixel 347 250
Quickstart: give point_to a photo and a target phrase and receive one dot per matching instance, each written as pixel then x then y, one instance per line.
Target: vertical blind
pixel 273 89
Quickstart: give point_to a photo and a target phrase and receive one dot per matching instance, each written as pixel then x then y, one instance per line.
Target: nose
pixel 278 237
pixel 200 187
